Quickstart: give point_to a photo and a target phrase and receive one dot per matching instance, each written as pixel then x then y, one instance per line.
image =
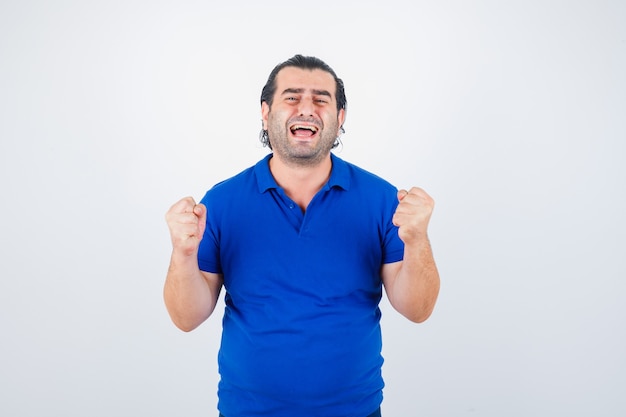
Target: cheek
pixel 277 117
pixel 331 122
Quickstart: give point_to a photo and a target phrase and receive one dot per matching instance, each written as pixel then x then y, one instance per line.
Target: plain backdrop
pixel 511 114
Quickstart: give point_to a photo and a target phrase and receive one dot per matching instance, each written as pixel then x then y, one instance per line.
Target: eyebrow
pixel 302 90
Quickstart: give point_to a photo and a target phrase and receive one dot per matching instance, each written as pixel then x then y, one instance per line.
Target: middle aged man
pixel 303 243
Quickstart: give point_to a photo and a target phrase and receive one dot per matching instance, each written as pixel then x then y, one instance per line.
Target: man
pixel 303 243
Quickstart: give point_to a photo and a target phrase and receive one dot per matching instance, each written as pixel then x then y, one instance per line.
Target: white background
pixel 512 115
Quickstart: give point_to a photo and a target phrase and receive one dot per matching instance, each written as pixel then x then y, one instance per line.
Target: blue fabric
pixel 301 333
pixel 374 414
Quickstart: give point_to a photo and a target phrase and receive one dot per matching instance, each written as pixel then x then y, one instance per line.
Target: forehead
pixel 305 79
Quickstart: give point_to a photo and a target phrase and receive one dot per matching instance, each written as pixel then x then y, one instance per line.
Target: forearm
pixel 190 296
pixel 416 284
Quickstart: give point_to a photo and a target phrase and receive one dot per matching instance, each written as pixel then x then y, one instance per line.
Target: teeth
pixel 311 128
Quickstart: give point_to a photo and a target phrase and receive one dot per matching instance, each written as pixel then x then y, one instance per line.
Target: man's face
pixel 303 121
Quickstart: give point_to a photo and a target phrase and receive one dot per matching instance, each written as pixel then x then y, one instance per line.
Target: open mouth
pixel 303 131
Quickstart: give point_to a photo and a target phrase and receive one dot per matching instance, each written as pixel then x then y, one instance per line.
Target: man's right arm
pixel 190 294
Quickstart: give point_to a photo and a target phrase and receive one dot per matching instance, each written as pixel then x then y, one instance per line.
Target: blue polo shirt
pixel 301 333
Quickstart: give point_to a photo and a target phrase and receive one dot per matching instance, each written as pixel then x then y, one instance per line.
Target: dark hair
pixel 308 63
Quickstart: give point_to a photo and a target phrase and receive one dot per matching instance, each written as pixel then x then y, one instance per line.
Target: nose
pixel 306 107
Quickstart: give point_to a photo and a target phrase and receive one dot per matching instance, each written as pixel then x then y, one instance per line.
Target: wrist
pixel 184 255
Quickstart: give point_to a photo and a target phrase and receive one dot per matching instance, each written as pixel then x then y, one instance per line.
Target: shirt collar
pixel 339 175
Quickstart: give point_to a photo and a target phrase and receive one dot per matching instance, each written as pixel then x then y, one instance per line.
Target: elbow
pixel 184 317
pixel 419 309
pixel 418 316
pixel 187 320
pixel 185 326
pixel 188 323
pixel 416 311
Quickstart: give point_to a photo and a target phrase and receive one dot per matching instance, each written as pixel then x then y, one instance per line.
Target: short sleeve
pixel 209 251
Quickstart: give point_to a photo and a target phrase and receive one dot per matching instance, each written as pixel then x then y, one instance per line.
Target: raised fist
pixel 186 221
pixel 413 214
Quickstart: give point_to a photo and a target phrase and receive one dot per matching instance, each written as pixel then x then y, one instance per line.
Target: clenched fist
pixel 186 221
pixel 413 214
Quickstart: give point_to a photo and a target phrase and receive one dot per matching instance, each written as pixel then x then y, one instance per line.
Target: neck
pixel 300 182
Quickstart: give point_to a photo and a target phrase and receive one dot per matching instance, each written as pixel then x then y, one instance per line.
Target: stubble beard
pixel 300 154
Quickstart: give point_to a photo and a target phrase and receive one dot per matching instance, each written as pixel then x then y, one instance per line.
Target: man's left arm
pixel 412 285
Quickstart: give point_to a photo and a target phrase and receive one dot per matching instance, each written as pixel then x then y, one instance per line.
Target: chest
pixel 332 249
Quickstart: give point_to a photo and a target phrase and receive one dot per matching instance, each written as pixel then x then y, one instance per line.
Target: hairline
pixel 306 63
pixel 300 90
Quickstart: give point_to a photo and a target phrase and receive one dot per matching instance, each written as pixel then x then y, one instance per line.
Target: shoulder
pixel 227 189
pixel 362 178
pixel 233 182
pixel 244 185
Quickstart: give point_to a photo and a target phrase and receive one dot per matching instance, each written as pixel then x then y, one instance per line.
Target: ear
pixel 341 117
pixel 265 111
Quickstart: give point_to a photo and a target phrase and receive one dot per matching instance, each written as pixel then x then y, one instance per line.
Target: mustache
pixel 308 120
